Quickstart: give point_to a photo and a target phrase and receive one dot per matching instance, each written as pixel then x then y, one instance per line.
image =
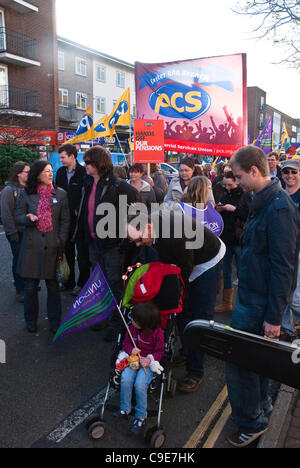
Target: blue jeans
pixel 203 293
pixel 232 251
pixel 15 249
pixel 293 310
pixel 248 391
pixel 31 302
pixel 140 381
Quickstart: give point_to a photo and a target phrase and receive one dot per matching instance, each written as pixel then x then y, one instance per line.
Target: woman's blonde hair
pixel 197 191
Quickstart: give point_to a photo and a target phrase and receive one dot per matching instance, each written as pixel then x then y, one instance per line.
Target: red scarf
pixel 44 223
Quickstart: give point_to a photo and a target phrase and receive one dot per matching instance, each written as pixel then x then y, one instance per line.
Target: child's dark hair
pixel 146 315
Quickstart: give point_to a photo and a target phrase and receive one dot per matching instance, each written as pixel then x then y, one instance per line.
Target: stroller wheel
pixel 158 439
pixel 97 430
pixel 91 420
pixel 173 388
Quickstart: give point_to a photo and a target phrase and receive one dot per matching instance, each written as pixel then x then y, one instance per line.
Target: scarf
pixel 44 223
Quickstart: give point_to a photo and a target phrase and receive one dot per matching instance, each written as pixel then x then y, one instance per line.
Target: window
pixel 63 97
pixel 101 73
pixel 120 79
pixel 2 31
pixel 100 105
pixel 81 101
pixel 4 94
pixel 294 129
pixel 80 66
pixel 61 60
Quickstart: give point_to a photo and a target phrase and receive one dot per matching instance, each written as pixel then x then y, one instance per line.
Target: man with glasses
pixel 291 319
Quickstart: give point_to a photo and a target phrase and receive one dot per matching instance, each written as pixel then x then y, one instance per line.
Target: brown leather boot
pixel 226 305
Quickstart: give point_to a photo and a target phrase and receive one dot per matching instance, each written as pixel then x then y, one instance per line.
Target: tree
pixel 280 21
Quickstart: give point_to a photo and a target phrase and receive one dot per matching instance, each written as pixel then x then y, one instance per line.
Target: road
pixel 48 390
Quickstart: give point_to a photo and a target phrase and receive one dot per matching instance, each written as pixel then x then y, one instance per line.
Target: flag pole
pixel 130 335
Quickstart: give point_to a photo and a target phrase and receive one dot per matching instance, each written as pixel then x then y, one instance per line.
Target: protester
pixel 218 188
pixel 120 172
pixel 291 177
pixel 233 212
pixel 267 279
pixel 157 180
pixel 71 177
pixel 274 168
pixel 219 173
pixel 200 269
pixel 178 185
pixel 16 182
pixel 44 212
pixel 145 190
pixel 102 188
pixel 149 339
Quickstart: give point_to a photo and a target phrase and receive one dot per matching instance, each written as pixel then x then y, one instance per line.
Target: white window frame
pixel 82 97
pixel 120 79
pixel 102 72
pixel 64 93
pixel 100 105
pixel 80 66
pixel 61 59
pixel 3 36
pixel 5 96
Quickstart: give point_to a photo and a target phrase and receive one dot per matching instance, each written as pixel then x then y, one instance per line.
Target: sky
pixel 159 31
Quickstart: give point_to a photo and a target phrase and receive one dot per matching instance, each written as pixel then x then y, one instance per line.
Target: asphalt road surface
pixel 48 390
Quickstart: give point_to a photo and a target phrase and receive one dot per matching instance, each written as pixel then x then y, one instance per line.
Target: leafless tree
pixel 278 20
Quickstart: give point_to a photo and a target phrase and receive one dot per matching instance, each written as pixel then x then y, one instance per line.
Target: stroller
pixel 162 284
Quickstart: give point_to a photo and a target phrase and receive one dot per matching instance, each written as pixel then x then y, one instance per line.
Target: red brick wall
pixel 44 79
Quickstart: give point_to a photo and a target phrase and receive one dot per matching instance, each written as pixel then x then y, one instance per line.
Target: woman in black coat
pixel 43 211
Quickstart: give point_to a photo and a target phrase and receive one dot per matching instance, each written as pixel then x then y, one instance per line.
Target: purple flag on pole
pixel 209 217
pixel 264 139
pixel 93 304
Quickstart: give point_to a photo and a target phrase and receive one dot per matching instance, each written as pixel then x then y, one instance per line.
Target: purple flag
pixel 93 304
pixel 209 217
pixel 264 139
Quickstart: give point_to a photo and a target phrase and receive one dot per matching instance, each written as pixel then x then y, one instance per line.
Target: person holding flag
pixel 102 187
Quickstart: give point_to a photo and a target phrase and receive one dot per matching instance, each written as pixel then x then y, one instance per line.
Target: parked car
pixel 169 170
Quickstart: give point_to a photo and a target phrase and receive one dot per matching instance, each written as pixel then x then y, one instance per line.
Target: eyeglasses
pixel 87 162
pixel 290 171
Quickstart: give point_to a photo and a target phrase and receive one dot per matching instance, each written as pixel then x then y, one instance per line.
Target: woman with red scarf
pixel 43 210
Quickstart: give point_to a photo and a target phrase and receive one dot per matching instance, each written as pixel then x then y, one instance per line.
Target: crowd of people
pixel 259 204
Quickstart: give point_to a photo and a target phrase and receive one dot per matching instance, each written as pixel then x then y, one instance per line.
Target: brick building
pixel 28 66
pixel 259 112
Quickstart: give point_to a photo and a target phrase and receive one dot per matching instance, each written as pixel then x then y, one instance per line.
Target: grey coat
pixel 40 250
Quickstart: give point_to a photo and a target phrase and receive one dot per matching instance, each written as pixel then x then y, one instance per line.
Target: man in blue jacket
pixel 267 279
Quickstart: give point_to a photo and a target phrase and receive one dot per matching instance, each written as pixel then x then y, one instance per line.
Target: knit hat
pixel 188 162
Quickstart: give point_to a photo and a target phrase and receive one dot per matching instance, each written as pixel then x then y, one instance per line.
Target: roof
pixel 94 52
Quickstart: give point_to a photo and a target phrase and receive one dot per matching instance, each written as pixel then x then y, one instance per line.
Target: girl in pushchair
pixel 142 361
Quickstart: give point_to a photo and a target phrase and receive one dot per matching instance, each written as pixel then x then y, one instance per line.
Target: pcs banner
pixel 203 103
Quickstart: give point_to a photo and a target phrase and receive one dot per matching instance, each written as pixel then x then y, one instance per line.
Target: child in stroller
pixel 148 335
pixel 161 284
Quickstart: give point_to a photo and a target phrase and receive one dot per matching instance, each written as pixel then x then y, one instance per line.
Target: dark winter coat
pixel 40 250
pixel 270 250
pixel 231 218
pixel 73 189
pixel 109 189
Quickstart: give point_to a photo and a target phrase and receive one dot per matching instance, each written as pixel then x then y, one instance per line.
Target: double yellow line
pixel 203 427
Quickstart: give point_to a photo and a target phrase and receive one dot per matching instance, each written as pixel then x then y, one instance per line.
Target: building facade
pixel 259 112
pixel 28 66
pixel 90 78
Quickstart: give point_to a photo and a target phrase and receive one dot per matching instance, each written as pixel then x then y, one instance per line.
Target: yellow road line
pixel 207 420
pixel 215 434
